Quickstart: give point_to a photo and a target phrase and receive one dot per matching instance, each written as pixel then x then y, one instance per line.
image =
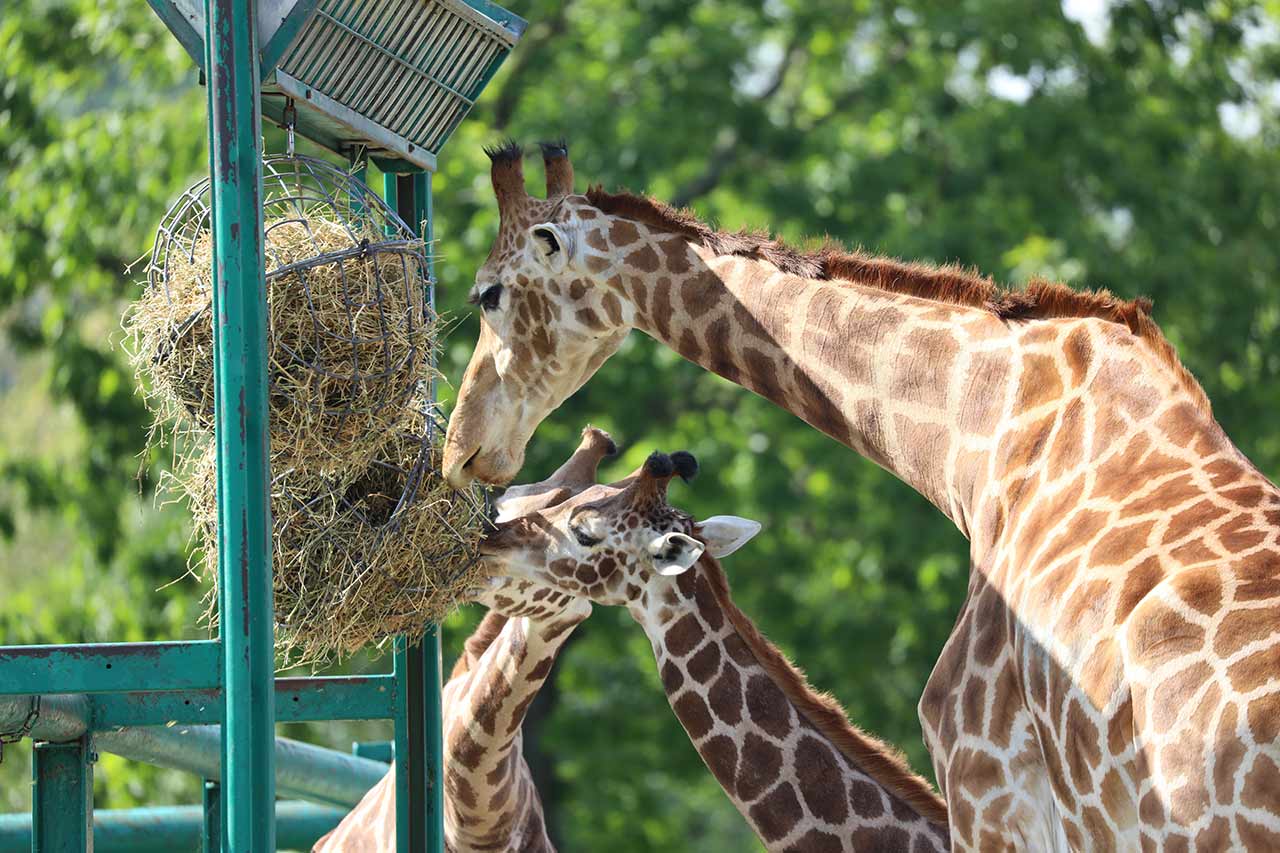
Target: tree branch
pixel 504 106
pixel 727 151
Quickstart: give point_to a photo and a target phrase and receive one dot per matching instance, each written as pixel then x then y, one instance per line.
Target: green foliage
pixel 1139 155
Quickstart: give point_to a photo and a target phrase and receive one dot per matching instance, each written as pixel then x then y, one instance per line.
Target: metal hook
pixel 290 119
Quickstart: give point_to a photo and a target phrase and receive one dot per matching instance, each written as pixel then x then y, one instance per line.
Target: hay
pixel 393 549
pixel 369 541
pixel 349 340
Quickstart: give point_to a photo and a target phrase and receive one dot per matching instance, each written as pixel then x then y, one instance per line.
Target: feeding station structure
pixel 380 80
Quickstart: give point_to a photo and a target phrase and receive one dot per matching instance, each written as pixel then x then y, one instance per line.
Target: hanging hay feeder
pixel 355 563
pixel 350 331
pixel 369 541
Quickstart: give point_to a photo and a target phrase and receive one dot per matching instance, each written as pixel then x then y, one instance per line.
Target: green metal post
pixel 62 797
pixel 419 719
pixel 390 194
pixel 430 648
pixel 244 518
pixel 211 817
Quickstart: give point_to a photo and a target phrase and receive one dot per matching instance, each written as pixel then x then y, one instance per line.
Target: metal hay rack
pixel 353 330
pixel 384 79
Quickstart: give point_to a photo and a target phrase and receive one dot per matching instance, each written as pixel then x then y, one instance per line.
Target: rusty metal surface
pixel 108 667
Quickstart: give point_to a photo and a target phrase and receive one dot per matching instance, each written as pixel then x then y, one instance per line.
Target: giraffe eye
pixel 490 297
pixel 585 539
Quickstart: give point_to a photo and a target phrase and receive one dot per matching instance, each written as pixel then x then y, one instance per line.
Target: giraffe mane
pixel 479 642
pixel 1039 300
pixel 872 755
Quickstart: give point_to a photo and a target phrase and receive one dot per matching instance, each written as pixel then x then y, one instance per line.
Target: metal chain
pixel 22 731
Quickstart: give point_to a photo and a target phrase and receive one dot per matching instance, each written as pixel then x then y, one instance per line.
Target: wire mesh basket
pixel 351 329
pixel 369 540
pixel 358 561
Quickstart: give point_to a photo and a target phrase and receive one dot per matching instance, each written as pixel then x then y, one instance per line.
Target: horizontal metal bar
pixel 378 750
pixel 57 718
pixel 175 829
pixel 510 26
pixel 61 718
pixel 109 667
pixel 360 127
pixel 369 697
pixel 302 770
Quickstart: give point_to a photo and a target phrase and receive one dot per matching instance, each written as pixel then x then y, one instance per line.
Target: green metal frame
pixel 155 702
pixel 109 667
pixel 62 796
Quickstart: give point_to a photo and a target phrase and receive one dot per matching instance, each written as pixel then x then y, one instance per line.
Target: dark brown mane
pixel 1040 300
pixel 874 757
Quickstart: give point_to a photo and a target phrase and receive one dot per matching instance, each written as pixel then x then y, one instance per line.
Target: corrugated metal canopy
pixel 394 77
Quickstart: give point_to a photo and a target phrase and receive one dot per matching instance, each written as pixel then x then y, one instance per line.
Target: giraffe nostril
pixel 466 466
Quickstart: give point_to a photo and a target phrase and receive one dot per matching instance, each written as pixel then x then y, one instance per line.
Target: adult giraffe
pixel 1113 680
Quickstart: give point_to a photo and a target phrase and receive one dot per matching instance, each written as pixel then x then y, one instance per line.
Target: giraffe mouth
pixel 462 476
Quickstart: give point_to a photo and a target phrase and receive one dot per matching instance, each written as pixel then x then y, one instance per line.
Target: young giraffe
pixel 1113 680
pixel 804 778
pixel 490 799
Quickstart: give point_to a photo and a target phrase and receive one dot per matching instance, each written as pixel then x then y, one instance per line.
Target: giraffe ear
pixel 673 553
pixel 725 534
pixel 551 245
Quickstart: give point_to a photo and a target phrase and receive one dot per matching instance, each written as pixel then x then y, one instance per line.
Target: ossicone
pixel 506 171
pixel 659 466
pixel 559 169
pixel 686 465
pixel 579 472
pixel 506 151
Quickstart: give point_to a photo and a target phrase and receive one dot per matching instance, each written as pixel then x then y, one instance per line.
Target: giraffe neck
pixel 933 391
pixel 876 371
pixel 802 776
pixel 490 796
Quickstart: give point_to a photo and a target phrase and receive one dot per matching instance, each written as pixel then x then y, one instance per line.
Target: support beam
pixel 109 667
pixel 298 700
pixel 240 370
pixel 62 797
pixel 419 744
pixel 211 817
pixel 175 829
pixel 58 718
pixel 301 770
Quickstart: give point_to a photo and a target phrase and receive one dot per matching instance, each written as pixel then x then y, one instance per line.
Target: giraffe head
pixel 612 543
pixel 520 597
pixel 547 321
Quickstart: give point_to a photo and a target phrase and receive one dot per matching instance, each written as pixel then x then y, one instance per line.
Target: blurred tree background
pixel 1131 145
